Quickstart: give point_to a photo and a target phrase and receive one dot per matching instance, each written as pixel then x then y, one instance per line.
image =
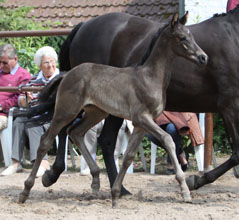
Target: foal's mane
pixel 151 45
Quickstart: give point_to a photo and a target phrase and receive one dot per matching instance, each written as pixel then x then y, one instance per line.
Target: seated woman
pixel 46 59
pixel 178 124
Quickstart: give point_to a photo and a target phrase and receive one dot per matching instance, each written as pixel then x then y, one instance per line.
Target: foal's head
pixel 183 42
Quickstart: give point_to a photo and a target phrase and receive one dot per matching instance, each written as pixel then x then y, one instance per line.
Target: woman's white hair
pixel 44 51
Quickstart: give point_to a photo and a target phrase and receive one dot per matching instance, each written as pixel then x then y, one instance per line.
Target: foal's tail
pixel 43 112
pixel 64 61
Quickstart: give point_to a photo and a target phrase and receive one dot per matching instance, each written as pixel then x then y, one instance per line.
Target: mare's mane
pixel 151 45
pixel 236 9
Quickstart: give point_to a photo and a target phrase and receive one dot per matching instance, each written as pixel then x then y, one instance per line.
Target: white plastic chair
pixel 72 150
pixel 6 142
pixel 6 139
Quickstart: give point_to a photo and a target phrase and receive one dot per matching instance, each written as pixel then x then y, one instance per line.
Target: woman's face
pixel 48 66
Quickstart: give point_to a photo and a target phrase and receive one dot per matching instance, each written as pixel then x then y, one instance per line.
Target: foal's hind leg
pixel 92 116
pixel 45 144
pixel 150 126
pixel 134 142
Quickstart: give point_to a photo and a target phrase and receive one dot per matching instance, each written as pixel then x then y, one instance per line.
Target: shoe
pixel 85 172
pixel 170 172
pixel 11 170
pixel 41 171
pixel 43 167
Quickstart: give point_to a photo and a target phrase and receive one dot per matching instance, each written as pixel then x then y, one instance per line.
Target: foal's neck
pixel 160 60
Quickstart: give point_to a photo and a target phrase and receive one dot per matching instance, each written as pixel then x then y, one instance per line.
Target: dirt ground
pixel 153 197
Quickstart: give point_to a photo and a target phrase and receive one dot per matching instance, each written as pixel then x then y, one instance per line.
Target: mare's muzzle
pixel 202 59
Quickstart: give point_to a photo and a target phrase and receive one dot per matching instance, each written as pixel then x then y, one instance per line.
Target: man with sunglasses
pixel 11 74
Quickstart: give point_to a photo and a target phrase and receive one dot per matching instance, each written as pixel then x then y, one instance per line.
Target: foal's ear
pixel 174 20
pixel 183 20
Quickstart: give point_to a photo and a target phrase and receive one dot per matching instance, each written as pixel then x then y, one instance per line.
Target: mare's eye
pixel 182 38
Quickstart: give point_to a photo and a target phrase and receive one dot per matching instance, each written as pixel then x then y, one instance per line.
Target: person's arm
pixel 12 100
pixel 22 99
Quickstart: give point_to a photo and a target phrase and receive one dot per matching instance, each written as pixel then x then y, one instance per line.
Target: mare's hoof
pixel 124 192
pixel 191 182
pixel 46 180
pixel 22 197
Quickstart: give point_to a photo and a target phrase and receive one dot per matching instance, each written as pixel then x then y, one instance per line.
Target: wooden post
pixel 208 146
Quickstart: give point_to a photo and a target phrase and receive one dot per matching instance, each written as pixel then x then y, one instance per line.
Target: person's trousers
pixel 22 133
pixel 170 129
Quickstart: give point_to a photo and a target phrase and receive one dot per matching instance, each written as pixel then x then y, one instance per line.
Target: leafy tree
pixel 15 20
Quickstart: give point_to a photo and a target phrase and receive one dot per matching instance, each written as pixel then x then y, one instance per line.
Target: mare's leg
pixel 134 142
pixel 51 176
pixel 107 142
pixel 92 116
pixel 232 126
pixel 147 122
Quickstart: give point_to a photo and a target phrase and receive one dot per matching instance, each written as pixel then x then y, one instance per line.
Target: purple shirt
pixel 17 77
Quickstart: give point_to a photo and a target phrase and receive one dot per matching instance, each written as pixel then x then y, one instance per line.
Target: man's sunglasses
pixel 4 62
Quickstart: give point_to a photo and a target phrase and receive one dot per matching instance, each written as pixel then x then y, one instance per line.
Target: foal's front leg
pixel 133 144
pixel 166 140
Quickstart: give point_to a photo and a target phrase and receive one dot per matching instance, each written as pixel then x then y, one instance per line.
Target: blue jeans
pixel 170 129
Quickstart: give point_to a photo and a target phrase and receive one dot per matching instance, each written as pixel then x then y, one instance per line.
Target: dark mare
pixel 119 39
pixel 142 100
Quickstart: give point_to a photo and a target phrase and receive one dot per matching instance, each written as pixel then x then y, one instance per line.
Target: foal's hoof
pixel 187 198
pixel 46 180
pixel 191 182
pixel 114 203
pixel 23 197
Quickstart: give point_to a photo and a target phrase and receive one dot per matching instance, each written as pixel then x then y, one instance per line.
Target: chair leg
pixel 73 153
pixel 199 154
pixel 141 151
pixel 6 142
pixel 153 158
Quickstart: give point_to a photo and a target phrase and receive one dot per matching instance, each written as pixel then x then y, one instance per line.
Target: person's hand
pixel 29 96
pixel 23 102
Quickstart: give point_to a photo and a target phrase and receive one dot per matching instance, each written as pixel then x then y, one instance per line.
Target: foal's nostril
pixel 203 59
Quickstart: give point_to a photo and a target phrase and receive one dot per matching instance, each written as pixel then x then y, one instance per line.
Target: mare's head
pixel 183 42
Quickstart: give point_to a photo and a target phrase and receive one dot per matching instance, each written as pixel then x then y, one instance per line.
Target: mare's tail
pixel 64 61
